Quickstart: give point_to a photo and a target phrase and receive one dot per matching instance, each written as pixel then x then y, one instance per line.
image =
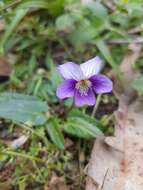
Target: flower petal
pixel 101 84
pixel 66 89
pixel 81 100
pixel 91 67
pixel 71 70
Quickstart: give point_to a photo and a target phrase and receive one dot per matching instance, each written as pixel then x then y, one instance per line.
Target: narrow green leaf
pixel 105 52
pixel 54 7
pixel 34 4
pixel 55 133
pixel 20 13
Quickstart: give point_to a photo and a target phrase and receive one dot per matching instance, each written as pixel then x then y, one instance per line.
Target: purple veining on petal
pixel 91 67
pixel 81 82
pixel 66 89
pixel 70 70
pixel 81 100
pixel 101 84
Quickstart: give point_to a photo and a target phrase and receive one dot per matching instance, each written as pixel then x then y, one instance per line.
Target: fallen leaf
pixel 57 183
pixel 128 73
pixel 19 142
pixel 116 162
pixel 68 143
pixel 5 68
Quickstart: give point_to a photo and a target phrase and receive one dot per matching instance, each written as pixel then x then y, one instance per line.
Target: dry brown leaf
pixel 5 187
pixel 128 73
pixel 68 143
pixel 116 162
pixel 57 183
pixel 5 68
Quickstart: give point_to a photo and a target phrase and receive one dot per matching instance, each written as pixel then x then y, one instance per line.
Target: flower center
pixel 83 86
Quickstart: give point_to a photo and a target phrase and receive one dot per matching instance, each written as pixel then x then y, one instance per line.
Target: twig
pixel 138 40
pixel 104 179
pixel 135 30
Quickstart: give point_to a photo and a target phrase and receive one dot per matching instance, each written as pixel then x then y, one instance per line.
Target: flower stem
pixel 84 109
pixel 96 106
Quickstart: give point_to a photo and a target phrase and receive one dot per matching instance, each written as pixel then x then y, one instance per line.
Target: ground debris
pixel 116 161
pixel 57 183
pixel 5 68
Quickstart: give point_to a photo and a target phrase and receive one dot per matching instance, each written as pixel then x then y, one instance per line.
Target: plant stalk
pixel 96 106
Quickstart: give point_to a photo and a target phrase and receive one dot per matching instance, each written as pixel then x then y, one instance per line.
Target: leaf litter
pixel 5 68
pixel 116 161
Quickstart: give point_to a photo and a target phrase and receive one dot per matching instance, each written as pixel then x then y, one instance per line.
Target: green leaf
pixel 138 85
pixel 11 27
pixel 54 7
pixel 64 22
pixel 98 10
pixel 22 108
pixel 54 76
pixel 84 33
pixel 105 52
pixel 55 133
pixel 34 4
pixel 82 126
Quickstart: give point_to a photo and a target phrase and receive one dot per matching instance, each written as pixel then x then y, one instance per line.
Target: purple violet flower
pixel 82 82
